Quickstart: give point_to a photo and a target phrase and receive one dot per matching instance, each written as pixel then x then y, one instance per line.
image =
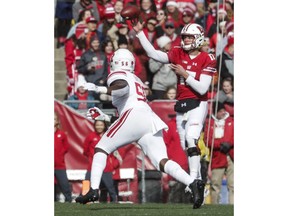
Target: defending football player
pixel 194 70
pixel 129 98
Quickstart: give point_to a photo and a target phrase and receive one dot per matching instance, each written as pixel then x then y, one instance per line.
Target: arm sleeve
pixel 150 50
pixel 200 86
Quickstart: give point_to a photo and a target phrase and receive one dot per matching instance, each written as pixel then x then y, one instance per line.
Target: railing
pixel 97 103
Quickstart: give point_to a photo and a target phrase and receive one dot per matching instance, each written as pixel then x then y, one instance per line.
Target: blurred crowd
pixel 91 30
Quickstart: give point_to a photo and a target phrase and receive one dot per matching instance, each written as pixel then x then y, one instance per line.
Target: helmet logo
pixel 200 29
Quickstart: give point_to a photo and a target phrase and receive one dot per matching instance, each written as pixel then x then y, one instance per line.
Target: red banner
pixel 77 127
pixel 163 108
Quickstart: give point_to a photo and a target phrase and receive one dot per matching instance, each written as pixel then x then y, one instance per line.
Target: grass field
pixel 147 209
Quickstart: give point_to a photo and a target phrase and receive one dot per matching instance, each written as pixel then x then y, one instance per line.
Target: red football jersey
pixel 204 63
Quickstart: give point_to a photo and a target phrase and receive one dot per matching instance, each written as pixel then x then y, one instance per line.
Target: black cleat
pixel 197 187
pixel 91 196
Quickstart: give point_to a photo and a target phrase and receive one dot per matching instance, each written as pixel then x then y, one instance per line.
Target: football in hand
pixel 130 12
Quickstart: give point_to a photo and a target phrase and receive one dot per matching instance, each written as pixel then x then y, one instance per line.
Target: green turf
pixel 147 209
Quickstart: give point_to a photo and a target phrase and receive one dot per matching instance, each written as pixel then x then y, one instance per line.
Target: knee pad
pixel 193 151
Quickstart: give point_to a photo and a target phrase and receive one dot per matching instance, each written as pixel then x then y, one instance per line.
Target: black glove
pixel 225 147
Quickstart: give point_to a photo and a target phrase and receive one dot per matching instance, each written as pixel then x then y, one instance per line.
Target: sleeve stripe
pixel 209 69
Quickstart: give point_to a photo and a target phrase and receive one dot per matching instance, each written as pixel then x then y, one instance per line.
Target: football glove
pixel 96 114
pixel 95 88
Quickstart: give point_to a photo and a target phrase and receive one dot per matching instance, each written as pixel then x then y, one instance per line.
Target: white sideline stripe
pixel 125 193
pixel 74 175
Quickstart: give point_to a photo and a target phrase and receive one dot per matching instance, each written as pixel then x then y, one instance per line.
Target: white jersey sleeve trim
pixel 158 55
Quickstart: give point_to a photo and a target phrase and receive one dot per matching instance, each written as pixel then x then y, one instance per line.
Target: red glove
pixel 96 114
pixel 92 113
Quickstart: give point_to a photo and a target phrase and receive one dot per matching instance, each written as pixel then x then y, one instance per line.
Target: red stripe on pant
pixel 117 126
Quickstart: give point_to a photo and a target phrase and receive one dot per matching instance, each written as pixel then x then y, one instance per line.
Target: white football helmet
pixel 122 60
pixel 197 31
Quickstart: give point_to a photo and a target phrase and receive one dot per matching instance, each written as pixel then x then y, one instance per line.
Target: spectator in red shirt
pixel 220 140
pixel 160 4
pixel 187 17
pixel 84 14
pixel 102 5
pixel 173 13
pixel 90 142
pixel 109 20
pixel 108 48
pixel 170 31
pixel 60 149
pixel 78 6
pixel 161 18
pixel 116 31
pixel 74 47
pixel 170 93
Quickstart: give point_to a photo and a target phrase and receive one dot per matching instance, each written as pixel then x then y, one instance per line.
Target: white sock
pixel 199 176
pixel 173 169
pixel 98 165
pixel 194 166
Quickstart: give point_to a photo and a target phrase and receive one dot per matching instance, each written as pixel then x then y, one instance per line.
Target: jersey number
pixel 140 92
pixel 212 57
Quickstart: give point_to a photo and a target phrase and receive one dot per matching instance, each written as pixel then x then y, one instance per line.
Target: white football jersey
pixel 136 96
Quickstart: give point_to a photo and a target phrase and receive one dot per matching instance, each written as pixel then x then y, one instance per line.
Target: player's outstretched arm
pixel 158 55
pixel 116 85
